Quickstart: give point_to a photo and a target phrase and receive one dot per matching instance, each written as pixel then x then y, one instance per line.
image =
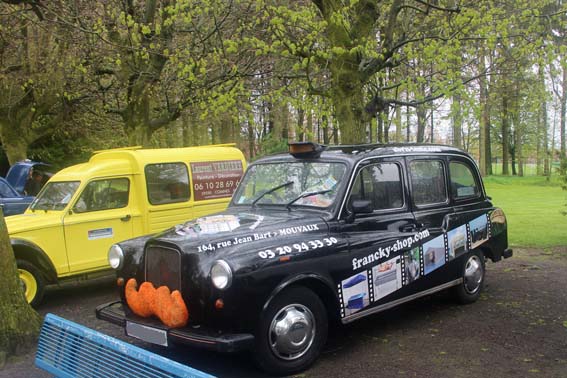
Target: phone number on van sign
pixel 298 247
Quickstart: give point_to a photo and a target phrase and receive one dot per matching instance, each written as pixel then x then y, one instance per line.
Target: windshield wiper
pixel 306 194
pixel 271 191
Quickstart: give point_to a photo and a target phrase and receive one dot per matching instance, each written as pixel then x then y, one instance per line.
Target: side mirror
pixel 359 207
pixel 362 207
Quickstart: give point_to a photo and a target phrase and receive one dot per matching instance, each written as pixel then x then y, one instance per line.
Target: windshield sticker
pixel 387 278
pixel 209 225
pixel 101 233
pixel 218 223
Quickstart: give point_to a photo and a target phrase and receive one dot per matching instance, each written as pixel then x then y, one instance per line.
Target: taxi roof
pixel 357 152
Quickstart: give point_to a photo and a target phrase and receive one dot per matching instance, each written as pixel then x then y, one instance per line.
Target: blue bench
pixel 68 350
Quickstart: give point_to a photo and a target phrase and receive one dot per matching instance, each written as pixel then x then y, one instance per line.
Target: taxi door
pixel 100 217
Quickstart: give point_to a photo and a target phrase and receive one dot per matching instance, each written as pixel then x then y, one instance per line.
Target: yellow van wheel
pixel 32 282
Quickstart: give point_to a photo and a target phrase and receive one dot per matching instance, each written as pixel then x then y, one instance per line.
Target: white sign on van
pixel 101 233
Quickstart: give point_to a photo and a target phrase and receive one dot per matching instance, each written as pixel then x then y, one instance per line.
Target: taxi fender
pixel 321 285
pixel 26 250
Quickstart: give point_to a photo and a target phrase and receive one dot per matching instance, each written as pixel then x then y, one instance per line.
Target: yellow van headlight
pixel 221 274
pixel 115 256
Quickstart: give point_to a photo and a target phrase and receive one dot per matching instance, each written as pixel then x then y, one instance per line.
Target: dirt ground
pixel 517 329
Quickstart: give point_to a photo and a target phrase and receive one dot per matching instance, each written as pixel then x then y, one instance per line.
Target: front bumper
pixel 200 337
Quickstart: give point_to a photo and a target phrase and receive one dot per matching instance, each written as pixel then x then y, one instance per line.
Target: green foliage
pixel 270 66
pixel 272 145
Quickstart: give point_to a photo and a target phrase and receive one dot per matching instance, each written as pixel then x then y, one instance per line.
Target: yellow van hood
pixel 33 221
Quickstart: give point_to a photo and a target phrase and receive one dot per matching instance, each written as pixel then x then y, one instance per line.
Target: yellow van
pixel 118 194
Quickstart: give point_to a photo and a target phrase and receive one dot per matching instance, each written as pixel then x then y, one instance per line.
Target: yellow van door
pixel 100 217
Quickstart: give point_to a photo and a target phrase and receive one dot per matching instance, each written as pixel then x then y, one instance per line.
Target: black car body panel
pixel 357 264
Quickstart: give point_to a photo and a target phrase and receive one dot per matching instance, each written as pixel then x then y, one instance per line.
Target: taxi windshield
pixel 291 184
pixel 55 195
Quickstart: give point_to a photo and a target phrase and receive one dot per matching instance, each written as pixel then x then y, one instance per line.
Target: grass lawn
pixel 533 208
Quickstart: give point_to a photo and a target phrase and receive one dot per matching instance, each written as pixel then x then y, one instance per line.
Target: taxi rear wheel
pixel 32 282
pixel 291 332
pixel 473 278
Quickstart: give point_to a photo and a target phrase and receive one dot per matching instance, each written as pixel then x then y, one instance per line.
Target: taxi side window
pixel 103 195
pixel 428 182
pixel 463 183
pixel 167 183
pixel 381 184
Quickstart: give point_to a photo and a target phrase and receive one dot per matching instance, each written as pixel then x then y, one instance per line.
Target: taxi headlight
pixel 221 274
pixel 115 256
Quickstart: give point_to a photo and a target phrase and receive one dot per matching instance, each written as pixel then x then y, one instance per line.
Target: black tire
pixel 32 281
pixel 305 309
pixel 473 278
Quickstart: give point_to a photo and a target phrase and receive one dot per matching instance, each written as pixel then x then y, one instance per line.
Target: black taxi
pixel 322 233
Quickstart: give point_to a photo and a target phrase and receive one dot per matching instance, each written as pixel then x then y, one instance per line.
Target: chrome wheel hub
pixel 474 272
pixel 292 332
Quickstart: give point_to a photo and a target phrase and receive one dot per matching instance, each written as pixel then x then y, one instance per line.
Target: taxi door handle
pixel 125 218
pixel 411 227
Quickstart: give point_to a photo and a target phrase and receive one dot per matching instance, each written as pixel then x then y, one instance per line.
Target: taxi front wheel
pixel 32 282
pixel 473 278
pixel 291 332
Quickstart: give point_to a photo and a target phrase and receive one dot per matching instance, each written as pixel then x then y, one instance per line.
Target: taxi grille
pixel 163 267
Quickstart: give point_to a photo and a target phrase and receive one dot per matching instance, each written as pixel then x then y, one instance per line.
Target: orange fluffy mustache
pixel 168 306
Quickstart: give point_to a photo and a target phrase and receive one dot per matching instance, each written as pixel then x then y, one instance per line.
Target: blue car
pixel 17 191
pixel 11 201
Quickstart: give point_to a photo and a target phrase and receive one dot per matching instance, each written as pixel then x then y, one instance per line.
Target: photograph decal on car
pixel 413 265
pixel 387 277
pixel 355 294
pixel 434 254
pixel 457 241
pixel 479 230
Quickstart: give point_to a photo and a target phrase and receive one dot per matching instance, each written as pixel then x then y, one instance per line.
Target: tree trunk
pixel 547 150
pixel 457 118
pixel 379 129
pixel 431 130
pixel 349 100
pixel 562 120
pixel 398 124
pixel 16 149
pixel 17 133
pixel 186 127
pixel 309 128
pixel 408 121
pixel 300 128
pixel 421 123
pixel 484 160
pixel 518 150
pixel 136 119
pixel 325 125
pixel 227 134
pixel 19 323
pixel 251 137
pixel 505 137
